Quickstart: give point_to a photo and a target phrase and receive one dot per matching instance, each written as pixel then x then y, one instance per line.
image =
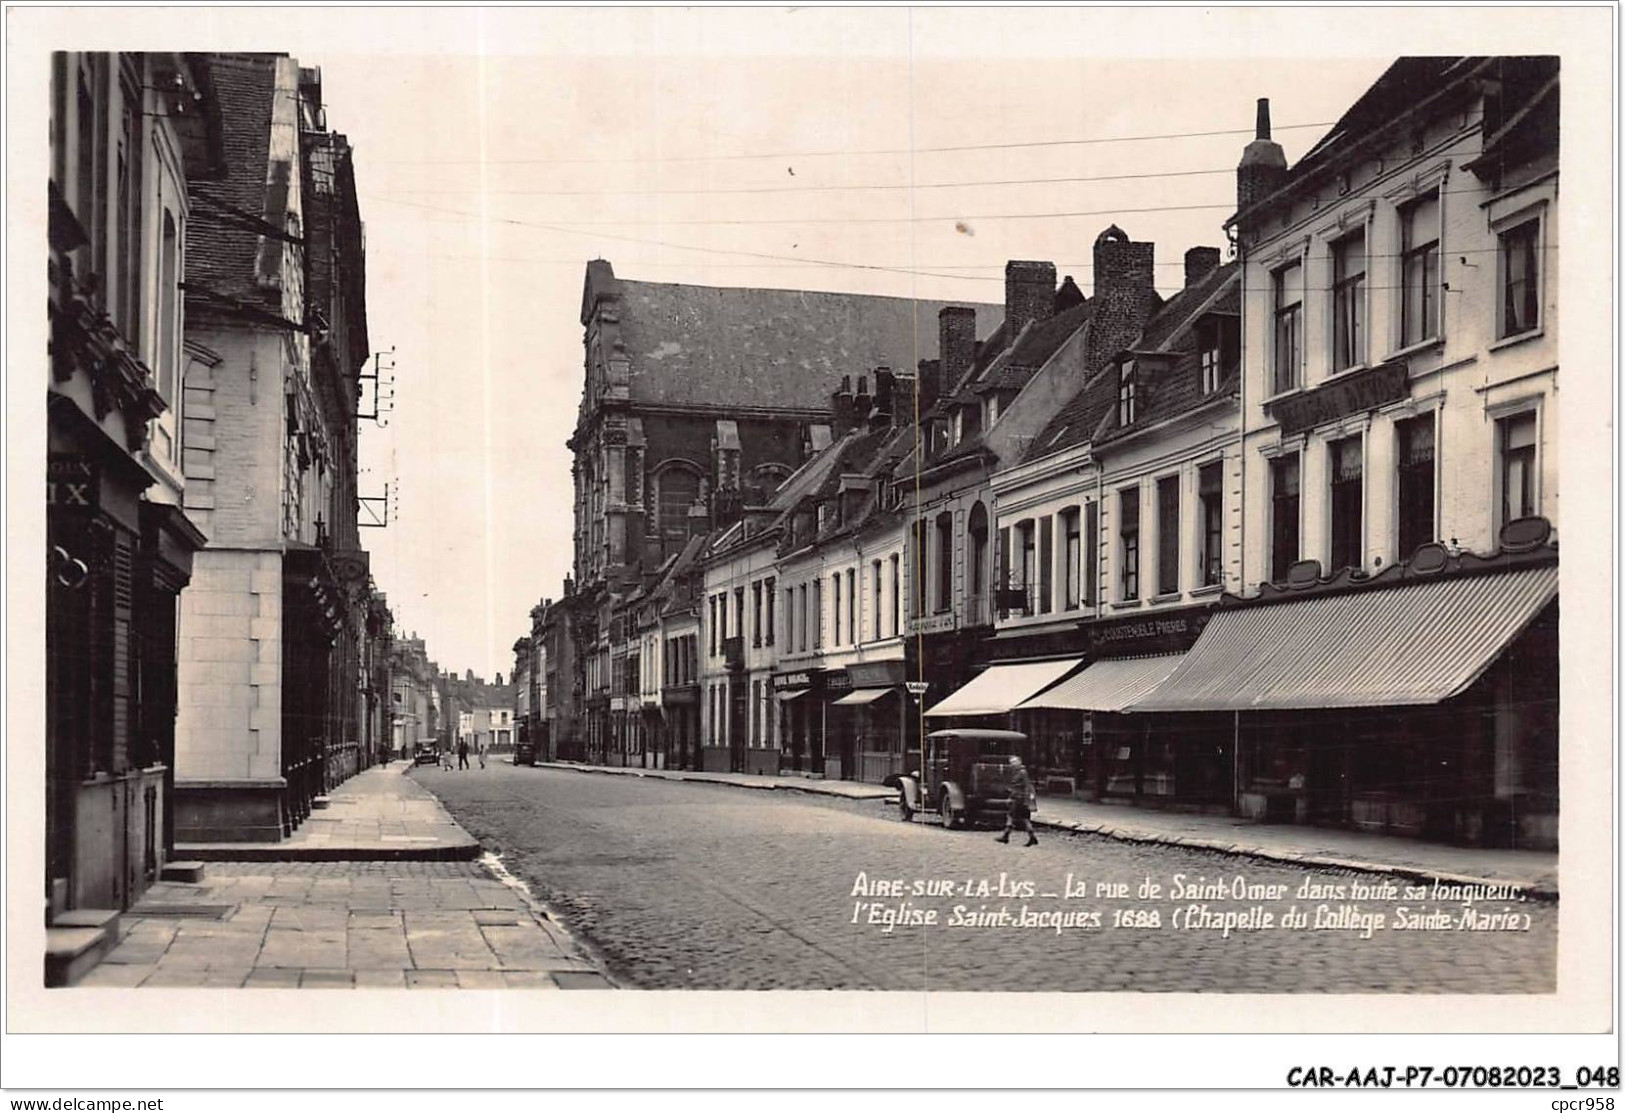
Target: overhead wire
pixel 911 150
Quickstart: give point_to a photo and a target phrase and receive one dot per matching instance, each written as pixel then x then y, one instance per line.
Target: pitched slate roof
pixel 1173 387
pixel 769 349
pixel 221 250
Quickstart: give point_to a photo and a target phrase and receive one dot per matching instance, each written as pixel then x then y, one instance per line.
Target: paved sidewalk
pixel 376 815
pixel 1535 871
pixel 343 925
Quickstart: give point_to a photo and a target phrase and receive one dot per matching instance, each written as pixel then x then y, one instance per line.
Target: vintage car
pixel 524 751
pixel 427 754
pixel 966 778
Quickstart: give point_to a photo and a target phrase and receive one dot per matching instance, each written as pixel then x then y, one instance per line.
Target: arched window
pixel 976 551
pixel 677 486
pixel 769 478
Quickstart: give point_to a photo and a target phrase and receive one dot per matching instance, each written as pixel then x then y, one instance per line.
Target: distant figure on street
pixel 1022 798
pixel 445 758
pixel 462 753
pixel 481 747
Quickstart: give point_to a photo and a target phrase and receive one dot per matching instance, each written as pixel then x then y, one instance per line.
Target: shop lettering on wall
pixel 70 483
pixel 1352 394
pixel 1169 633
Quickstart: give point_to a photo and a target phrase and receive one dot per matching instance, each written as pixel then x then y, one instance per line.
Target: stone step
pixel 73 952
pixel 88 918
pixel 183 871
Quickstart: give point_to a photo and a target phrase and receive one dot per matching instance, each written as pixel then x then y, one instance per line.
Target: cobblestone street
pixel 682 885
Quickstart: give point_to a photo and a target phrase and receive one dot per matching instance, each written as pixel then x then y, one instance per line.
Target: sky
pixel 728 152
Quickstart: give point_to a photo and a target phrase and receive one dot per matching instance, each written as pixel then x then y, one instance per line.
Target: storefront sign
pixel 876 674
pixel 1164 633
pixel 790 681
pixel 1350 394
pixel 71 483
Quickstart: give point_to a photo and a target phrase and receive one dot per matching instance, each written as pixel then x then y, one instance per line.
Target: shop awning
pixel 1108 685
pixel 1002 687
pixel 1416 644
pixel 786 697
pixel 859 696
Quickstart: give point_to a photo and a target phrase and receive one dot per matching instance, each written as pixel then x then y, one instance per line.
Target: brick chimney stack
pixel 1200 262
pixel 1029 294
pixel 956 348
pixel 1125 293
pixel 841 404
pixel 862 404
pixel 885 398
pixel 1263 164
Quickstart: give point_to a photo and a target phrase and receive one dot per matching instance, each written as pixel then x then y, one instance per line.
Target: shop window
pixel 1347 501
pixel 1210 489
pixel 1348 302
pixel 1283 515
pixel 1419 271
pixel 1520 279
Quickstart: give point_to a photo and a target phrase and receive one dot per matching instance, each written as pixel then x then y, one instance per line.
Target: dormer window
pixel 1210 359
pixel 1125 395
pixel 959 426
pixel 992 409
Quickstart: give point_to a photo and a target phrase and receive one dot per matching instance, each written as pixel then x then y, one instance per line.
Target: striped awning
pixel 1002 687
pixel 859 696
pixel 1415 644
pixel 1108 685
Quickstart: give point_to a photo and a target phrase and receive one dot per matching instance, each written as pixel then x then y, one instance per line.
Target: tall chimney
pixel 1263 164
pixel 1029 294
pixel 862 404
pixel 1125 293
pixel 885 397
pixel 1199 263
pixel 841 406
pixel 956 349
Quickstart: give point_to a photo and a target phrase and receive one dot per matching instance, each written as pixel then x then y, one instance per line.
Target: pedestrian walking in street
pixel 462 753
pixel 482 747
pixel 1022 799
pixel 445 758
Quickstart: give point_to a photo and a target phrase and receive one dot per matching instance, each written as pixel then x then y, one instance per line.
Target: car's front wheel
pixel 950 814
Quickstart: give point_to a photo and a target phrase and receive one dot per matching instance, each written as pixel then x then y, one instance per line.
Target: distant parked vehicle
pixel 524 752
pixel 966 779
pixel 427 754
